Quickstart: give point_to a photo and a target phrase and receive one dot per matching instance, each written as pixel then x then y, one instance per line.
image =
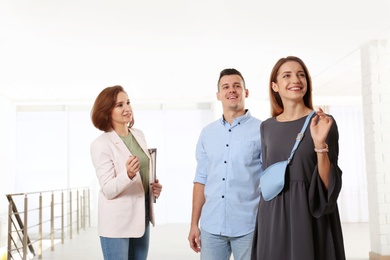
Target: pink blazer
pixel 121 210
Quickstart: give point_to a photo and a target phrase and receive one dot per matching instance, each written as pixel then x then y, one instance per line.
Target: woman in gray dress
pixel 302 222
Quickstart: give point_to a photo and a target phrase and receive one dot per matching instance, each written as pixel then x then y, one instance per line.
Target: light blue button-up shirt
pixel 229 166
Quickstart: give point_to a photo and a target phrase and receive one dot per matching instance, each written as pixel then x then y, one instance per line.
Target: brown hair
pixel 228 72
pixel 275 100
pixel 104 105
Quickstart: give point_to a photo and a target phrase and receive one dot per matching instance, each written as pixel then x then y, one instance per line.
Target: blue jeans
pixel 128 248
pixel 217 247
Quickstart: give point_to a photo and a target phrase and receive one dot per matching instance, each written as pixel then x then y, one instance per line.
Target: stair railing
pixel 52 215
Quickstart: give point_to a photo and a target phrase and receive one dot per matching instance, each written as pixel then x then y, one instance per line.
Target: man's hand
pixel 194 238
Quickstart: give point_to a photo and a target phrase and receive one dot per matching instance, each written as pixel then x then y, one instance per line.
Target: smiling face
pixel 232 93
pixel 291 82
pixel 122 114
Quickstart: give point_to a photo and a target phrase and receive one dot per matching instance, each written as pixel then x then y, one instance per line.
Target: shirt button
pixel 224 161
pixel 223 196
pixel 223 179
pixel 227 145
pixel 230 130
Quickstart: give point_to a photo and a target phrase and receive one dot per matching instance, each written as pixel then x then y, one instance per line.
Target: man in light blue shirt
pixel 226 185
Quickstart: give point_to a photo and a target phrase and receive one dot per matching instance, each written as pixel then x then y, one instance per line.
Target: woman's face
pixel 122 114
pixel 291 83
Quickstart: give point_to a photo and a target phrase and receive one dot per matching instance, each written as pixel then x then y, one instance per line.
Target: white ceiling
pixel 68 51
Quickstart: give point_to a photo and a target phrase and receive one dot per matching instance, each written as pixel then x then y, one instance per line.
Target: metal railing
pixel 47 216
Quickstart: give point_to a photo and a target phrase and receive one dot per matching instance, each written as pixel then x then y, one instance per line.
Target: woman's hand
pixel 132 166
pixel 319 128
pixel 156 188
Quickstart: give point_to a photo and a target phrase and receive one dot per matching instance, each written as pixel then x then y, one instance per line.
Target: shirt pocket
pixel 245 151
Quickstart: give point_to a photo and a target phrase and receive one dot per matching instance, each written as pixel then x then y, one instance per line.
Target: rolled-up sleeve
pixel 202 162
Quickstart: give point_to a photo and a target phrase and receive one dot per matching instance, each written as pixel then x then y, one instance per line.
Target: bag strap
pixel 300 136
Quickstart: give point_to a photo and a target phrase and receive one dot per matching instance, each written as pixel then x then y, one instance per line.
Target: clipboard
pixel 153 156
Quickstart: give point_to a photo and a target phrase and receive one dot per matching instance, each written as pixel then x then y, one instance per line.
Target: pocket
pixel 245 151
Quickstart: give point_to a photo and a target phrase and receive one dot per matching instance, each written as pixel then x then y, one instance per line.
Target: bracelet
pixel 322 150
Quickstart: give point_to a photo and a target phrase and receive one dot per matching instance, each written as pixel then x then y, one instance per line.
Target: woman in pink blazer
pixel 124 168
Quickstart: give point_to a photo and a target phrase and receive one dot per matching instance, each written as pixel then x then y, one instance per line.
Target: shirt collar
pixel 237 120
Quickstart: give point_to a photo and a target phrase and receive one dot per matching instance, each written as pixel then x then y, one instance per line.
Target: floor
pixel 170 242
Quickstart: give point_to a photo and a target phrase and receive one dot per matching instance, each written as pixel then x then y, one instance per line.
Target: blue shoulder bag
pixel 272 178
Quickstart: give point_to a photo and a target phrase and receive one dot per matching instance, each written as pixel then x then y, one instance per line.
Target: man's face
pixel 232 92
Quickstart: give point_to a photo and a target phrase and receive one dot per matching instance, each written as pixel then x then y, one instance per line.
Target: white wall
pixel 353 199
pixel 7 161
pixel 376 102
